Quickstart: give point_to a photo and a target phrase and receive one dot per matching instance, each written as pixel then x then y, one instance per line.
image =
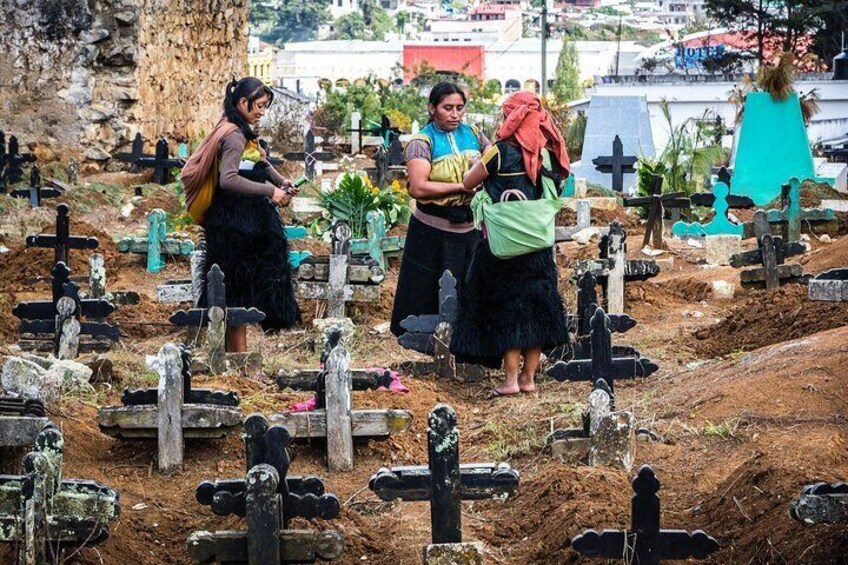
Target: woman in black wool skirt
pixel 233 192
pixel 511 307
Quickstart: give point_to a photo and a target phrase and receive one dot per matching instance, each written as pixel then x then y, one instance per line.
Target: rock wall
pixel 81 77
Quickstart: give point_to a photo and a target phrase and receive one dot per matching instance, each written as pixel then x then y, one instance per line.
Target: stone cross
pixel 378 244
pixel 35 192
pixel 41 511
pixel 216 317
pixel 268 499
pixel 613 268
pixel 645 542
pixel 431 334
pixel 340 286
pixel 821 503
pixel 172 411
pixel 830 285
pixel 721 201
pixel 62 242
pixel 657 203
pixel 444 482
pixel 310 156
pixel 334 418
pixel 770 254
pixel 21 419
pixel 793 215
pixel 156 244
pixel 602 364
pixel 617 164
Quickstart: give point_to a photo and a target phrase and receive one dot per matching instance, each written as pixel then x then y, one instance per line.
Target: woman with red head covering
pixel 511 308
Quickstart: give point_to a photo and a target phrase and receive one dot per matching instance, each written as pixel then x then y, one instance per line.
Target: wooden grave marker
pixel 62 241
pixel 831 286
pixel 97 284
pixel 431 334
pixel 345 280
pixel 21 419
pixel 55 325
pixel 44 514
pixel 268 498
pixel 156 244
pixel 792 215
pixel 334 418
pixel 444 482
pixel 616 164
pixel 821 503
pixel 297 257
pixel 583 209
pixel 35 192
pixel 645 543
pixel 216 317
pixel 657 203
pixel 587 304
pixel 172 411
pixel 12 162
pixel 613 268
pixel 161 161
pixel 310 156
pixel 721 201
pixel 378 244
pixel 770 255
pixel 186 290
pixel 602 364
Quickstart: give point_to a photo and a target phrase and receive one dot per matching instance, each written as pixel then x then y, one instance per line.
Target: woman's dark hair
pixel 250 88
pixel 441 90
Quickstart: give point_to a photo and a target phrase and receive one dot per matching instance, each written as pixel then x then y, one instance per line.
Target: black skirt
pixel 508 304
pixel 245 238
pixel 428 252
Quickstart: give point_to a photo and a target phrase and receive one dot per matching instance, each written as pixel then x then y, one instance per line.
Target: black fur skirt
pixel 245 238
pixel 508 304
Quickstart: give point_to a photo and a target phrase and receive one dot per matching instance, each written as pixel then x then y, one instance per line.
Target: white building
pixel 680 12
pixel 484 23
pixel 339 8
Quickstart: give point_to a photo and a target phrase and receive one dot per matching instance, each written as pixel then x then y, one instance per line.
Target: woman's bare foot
pixel 526 383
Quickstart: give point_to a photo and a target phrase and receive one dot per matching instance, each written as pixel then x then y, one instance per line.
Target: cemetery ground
pixel 749 405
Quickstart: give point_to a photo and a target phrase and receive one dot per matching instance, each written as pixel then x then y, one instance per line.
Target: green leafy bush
pixel 355 196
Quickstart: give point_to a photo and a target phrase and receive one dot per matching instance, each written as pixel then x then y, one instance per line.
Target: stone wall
pixel 81 77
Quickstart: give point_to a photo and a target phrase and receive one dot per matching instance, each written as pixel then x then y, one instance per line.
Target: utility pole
pixel 545 47
pixel 618 47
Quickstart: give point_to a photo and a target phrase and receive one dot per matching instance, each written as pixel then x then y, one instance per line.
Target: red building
pixel 465 59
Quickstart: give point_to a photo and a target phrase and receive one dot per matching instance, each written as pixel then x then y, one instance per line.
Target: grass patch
pixel 510 442
pixel 724 430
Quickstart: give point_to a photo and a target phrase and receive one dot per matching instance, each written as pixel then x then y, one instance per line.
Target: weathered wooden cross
pixel 62 242
pixel 55 325
pixel 821 503
pixel 602 364
pixel 793 215
pixel 186 290
pixel 310 155
pixel 216 317
pixel 35 192
pixel 613 268
pixel 431 334
pixel 345 281
pixel 721 201
pixel 645 543
pixel 616 164
pixel 584 221
pixel 587 304
pixel 771 254
pixel 43 514
pixel 334 418
pixel 156 244
pixel 657 203
pixel 444 482
pixel 21 419
pixel 378 244
pixel 268 499
pixel 161 161
pixel 172 411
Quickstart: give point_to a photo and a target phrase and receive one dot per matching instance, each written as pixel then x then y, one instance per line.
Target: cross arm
pixel 296 546
pixel 755 257
pixel 479 482
pixel 669 200
pixel 622 368
pixel 92 329
pixel 74 241
pixel 150 396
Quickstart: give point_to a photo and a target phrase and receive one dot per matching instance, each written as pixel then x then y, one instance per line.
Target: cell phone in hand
pixel 296 185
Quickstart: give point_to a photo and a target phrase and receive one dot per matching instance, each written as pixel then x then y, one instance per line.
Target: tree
pixel 567 82
pixel 282 21
pixel 350 26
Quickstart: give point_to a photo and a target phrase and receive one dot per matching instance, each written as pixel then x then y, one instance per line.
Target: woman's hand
pixel 280 197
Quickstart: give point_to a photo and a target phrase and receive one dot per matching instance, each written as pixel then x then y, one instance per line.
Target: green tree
pixel 350 26
pixel 282 21
pixel 567 85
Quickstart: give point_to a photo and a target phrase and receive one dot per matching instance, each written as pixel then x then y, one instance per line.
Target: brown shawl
pixel 203 161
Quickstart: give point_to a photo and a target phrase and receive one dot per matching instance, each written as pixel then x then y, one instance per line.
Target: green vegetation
pixel 355 196
pixel 281 21
pixel 509 442
pixel 567 85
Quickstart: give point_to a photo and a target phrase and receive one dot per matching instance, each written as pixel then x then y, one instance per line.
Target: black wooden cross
pixel 62 242
pixel 11 168
pixel 135 154
pixel 771 254
pixel 587 303
pixel 430 334
pixel 707 199
pixel 657 203
pixel 645 543
pixel 821 503
pixel 35 192
pixel 216 297
pixel 3 162
pixel 617 164
pixel 444 482
pixel 161 161
pixel 309 155
pixel 602 364
pixel 266 147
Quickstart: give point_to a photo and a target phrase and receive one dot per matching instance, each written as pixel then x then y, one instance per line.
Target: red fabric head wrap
pixel 532 127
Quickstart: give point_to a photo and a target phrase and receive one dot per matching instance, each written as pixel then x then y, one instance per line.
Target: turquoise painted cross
pixel 378 244
pixel 792 214
pixel 156 244
pixel 720 224
pixel 296 257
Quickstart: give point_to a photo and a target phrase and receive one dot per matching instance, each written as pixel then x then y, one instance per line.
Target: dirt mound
pixel 829 256
pixel 766 317
pixel 162 197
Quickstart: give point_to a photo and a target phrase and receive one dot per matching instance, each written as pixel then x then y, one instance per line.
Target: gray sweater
pixel 229 155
